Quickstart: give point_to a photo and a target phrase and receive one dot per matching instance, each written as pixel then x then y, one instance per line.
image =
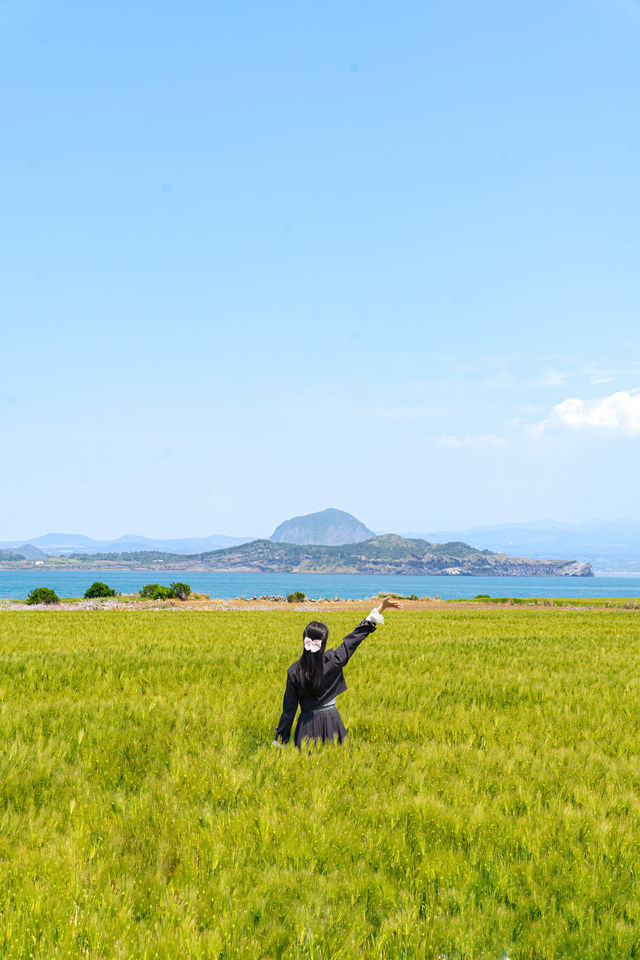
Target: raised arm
pixel 353 640
pixel 289 707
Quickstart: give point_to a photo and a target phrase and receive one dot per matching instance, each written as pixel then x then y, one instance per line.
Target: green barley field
pixel 488 804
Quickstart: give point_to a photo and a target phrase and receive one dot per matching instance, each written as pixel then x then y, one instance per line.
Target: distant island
pixel 329 541
pixel 387 554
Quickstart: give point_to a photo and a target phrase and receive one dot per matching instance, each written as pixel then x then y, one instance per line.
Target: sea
pixel 73 583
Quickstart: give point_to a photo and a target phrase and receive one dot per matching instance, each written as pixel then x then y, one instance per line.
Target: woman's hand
pixel 387 603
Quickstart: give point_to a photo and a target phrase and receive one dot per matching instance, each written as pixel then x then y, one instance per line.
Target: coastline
pixel 520 569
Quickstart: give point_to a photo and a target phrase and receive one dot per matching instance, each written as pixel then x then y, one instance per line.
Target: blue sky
pixel 261 259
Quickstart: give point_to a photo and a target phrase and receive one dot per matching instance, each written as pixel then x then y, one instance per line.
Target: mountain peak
pixel 329 527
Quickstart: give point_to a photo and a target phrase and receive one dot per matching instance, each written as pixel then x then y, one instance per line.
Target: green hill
pixel 387 554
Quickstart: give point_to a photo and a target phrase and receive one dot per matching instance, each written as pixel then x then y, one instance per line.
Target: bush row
pixel 152 591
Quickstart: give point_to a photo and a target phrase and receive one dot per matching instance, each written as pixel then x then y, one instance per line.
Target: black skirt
pixel 320 725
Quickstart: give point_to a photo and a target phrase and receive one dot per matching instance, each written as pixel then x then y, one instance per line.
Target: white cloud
pixel 483 440
pixel 619 412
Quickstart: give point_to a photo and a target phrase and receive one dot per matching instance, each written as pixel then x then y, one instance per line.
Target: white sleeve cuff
pixel 375 616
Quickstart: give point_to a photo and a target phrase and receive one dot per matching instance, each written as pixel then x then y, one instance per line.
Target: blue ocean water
pixel 17 584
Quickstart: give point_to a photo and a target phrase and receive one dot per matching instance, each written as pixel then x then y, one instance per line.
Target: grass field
pixel 488 804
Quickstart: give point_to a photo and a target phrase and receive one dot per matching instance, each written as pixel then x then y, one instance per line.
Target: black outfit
pixel 316 720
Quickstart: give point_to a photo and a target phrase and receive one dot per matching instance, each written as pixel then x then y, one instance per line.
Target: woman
pixel 316 679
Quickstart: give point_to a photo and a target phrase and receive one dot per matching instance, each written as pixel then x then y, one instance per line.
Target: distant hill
pixel 29 552
pixel 68 544
pixel 611 546
pixel 24 552
pixel 326 528
pixel 388 554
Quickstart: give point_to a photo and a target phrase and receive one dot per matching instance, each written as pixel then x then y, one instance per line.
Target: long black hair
pixel 310 669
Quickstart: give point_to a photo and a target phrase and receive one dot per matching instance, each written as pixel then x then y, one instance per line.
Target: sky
pixel 262 259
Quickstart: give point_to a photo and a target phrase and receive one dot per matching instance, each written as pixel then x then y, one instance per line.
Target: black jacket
pixel 333 685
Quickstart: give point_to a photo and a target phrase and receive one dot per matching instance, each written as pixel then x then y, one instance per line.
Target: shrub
pixel 43 595
pixel 99 589
pixel 180 590
pixel 155 591
pixel 296 597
